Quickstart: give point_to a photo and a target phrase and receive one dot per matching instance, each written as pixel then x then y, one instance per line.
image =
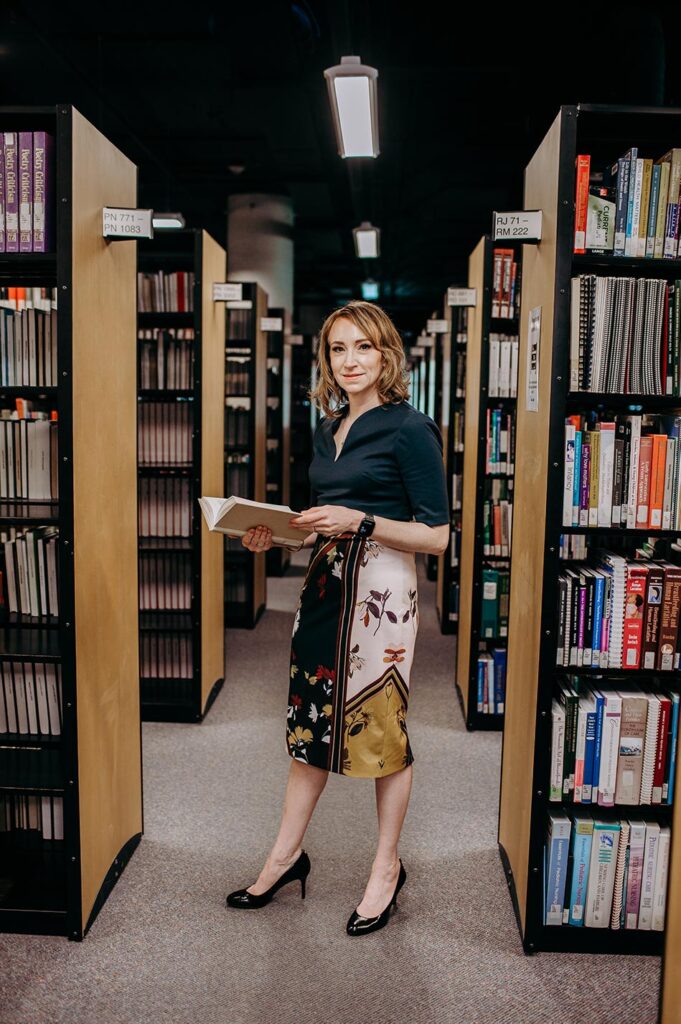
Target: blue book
pixel 577 481
pixel 600 704
pixel 652 210
pixel 558 845
pixel 673 738
pixel 582 836
pixel 598 619
pixel 633 155
pixel 481 683
pixel 499 656
pixel 621 169
pixel 589 751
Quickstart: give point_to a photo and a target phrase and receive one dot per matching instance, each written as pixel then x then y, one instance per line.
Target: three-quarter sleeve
pixel 418 450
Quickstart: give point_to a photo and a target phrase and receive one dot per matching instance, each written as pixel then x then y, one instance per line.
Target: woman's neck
pixel 362 403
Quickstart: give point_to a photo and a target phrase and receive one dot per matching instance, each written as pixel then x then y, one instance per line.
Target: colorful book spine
pixel 43 185
pixel 25 191
pixel 11 193
pixel 581 202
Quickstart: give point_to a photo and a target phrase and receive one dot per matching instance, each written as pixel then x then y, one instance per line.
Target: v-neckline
pixel 339 451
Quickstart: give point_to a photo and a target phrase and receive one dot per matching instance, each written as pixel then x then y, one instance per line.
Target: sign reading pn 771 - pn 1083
pixel 124 223
pixel 517 226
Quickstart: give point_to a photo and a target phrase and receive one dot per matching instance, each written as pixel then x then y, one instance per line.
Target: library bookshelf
pixel 278 429
pixel 301 419
pixel 52 881
pixel 452 407
pixel 245 447
pixel 604 132
pixel 181 343
pixel 482 402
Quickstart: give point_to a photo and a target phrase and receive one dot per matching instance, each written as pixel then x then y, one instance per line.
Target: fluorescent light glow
pixel 167 220
pixel 367 239
pixel 353 97
pixel 370 290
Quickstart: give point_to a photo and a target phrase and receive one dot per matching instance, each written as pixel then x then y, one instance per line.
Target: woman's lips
pixel 351 376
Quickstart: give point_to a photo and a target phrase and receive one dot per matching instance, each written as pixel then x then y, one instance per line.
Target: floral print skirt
pixel 351 652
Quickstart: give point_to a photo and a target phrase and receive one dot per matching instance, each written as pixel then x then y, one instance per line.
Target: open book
pixel 236 516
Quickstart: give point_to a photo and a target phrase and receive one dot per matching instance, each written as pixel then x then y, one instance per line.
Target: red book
pixel 658 464
pixel 662 741
pixel 633 616
pixel 581 202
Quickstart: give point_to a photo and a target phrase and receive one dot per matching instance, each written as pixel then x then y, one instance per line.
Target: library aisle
pixel 165 950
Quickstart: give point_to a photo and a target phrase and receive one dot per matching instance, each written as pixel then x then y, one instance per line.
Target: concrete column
pixel 260 246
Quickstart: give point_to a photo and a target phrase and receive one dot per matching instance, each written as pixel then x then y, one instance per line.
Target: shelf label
pixel 532 378
pixel 228 292
pixel 121 223
pixel 271 323
pixel 240 304
pixel 520 226
pixel 461 296
pixel 437 327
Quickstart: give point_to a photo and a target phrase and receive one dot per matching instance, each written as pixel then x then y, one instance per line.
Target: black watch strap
pixel 366 527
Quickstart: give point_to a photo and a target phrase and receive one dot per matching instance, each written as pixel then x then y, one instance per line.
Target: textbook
pixel 236 516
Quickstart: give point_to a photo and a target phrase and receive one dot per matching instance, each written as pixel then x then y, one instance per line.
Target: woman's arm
pixel 330 519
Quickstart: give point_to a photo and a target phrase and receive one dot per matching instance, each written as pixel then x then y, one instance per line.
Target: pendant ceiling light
pixel 353 98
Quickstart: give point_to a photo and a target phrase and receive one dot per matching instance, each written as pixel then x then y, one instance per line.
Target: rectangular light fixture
pixel 353 98
pixel 164 221
pixel 370 290
pixel 367 240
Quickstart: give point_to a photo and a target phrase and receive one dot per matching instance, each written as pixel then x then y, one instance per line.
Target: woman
pixel 378 496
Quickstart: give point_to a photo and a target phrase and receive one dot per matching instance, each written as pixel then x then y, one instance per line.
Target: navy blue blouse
pixel 390 464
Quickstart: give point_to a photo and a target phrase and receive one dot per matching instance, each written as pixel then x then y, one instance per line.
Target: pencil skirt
pixel 352 647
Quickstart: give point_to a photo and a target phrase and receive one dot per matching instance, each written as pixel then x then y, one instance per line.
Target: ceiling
pixel 190 90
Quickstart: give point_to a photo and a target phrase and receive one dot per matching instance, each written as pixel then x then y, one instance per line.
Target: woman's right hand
pixel 258 539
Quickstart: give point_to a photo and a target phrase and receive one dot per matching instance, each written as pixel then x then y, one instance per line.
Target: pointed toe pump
pixel 242 899
pixel 358 925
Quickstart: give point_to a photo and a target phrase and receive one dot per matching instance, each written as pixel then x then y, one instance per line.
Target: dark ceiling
pixel 188 89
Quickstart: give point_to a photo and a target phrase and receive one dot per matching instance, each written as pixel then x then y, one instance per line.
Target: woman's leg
pixel 392 800
pixel 303 789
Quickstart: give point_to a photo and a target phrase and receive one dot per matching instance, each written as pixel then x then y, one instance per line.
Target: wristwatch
pixel 366 527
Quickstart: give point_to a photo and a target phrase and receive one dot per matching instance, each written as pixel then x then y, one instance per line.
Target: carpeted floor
pixel 165 950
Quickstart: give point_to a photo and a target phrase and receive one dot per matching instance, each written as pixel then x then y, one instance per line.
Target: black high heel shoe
pixel 245 900
pixel 358 925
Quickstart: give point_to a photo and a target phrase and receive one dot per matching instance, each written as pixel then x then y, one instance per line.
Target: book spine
pixel 652 211
pixel 581 202
pixel 2 191
pixel 669 618
pixel 658 251
pixel 622 201
pixel 11 193
pixel 25 191
pixel 43 213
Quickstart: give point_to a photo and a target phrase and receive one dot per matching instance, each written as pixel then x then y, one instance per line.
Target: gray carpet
pixel 165 950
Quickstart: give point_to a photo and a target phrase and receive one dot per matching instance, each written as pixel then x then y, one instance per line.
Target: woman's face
pixel 355 361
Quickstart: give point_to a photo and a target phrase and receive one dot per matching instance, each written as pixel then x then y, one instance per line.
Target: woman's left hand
pixel 328 519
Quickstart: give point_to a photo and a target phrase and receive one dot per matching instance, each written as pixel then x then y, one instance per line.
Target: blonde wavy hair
pixel 375 324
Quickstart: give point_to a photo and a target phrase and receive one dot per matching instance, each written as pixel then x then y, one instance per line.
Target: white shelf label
pixel 532 378
pixel 519 226
pixel 437 327
pixel 240 304
pixel 122 223
pixel 227 292
pixel 462 296
pixel 271 323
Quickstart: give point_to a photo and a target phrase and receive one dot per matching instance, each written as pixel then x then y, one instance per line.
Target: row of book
pixel 30 571
pixel 165 581
pixel 624 471
pixel 491 681
pixel 237 589
pixel 237 427
pixel 599 873
pixel 165 292
pixel 496 591
pixel 19 297
pixel 26 813
pixel 164 507
pixel 237 375
pixel 505 284
pixel 30 698
pixel 455 545
pixel 166 359
pixel 165 432
pixel 459 375
pixel 632 209
pixel 497 524
pixel 456 427
pixel 29 456
pixel 619 613
pixel 166 655
pixel 457 492
pixel 625 335
pixel 26 192
pixel 573 547
pixel 454 596
pixel 502 380
pixel 500 442
pixel 460 324
pixel 613 742
pixel 28 347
